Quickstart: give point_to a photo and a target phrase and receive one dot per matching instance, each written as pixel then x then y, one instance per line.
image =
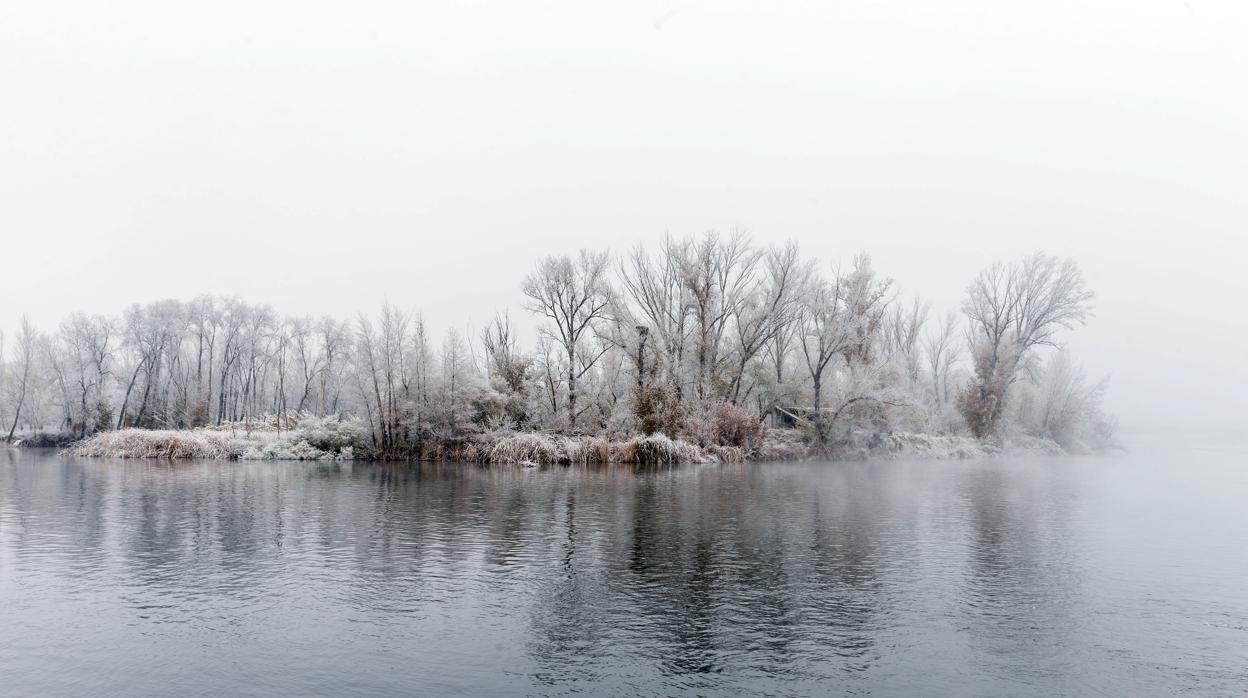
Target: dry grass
pixel 518 448
pixel 658 449
pixel 585 450
pixel 311 439
pixel 315 439
pixel 162 443
pixel 785 445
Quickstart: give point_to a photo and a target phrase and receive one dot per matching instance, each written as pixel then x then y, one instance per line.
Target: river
pixel 1021 576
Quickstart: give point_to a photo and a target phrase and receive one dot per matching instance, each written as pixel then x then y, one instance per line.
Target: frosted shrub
pixel 738 427
pixel 1061 405
pixel 517 448
pixel 657 409
pixel 312 439
pixel 933 446
pixel 658 449
pixel 549 448
pixel 330 434
pixel 785 444
pixel 160 443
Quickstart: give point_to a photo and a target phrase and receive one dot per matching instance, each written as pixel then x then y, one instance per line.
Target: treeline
pixel 707 339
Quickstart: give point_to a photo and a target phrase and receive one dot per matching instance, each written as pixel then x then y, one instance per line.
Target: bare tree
pixel 942 353
pixel 549 367
pixel 573 295
pixel 57 360
pixel 451 412
pixel 498 342
pixel 27 340
pixel 205 320
pixel 903 332
pixel 307 359
pixel 369 378
pixel 698 322
pixel 717 274
pixel 769 309
pixel 334 338
pixel 1066 408
pixel 1014 308
pixel 233 322
pixel 826 331
pixel 866 297
pixel 657 299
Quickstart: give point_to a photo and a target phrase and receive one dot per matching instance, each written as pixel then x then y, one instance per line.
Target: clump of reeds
pixel 586 450
pixel 659 449
pixel 784 444
pixel 519 448
pixel 161 443
pixel 310 439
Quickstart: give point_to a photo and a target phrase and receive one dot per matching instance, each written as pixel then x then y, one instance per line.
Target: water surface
pixel 1036 576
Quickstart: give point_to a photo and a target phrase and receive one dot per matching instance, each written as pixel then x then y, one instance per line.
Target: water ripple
pixel 1040 578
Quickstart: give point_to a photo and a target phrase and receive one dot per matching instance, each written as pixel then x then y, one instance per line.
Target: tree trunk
pixel 571 386
pixel 125 401
pixel 21 399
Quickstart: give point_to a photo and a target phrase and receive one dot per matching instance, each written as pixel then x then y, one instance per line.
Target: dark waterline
pixel 1031 576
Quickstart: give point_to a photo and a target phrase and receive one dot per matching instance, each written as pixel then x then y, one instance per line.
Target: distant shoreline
pixel 525 448
pixel 704 349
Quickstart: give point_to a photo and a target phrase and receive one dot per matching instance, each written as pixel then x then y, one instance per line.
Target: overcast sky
pixel 324 157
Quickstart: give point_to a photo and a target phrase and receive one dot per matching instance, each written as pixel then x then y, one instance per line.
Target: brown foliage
pixel 657 408
pixel 738 426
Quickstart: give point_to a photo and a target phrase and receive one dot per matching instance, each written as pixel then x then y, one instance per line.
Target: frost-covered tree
pixel 452 414
pixel 902 338
pixel 25 346
pixel 827 330
pixel 842 323
pixel 1014 308
pixel 381 373
pixel 508 372
pixel 706 337
pixel 770 308
pixel 866 297
pixel 655 297
pixel 718 275
pixel 942 352
pixel 573 295
pixel 1061 405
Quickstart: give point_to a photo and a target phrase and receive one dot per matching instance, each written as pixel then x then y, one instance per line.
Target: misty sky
pixel 324 157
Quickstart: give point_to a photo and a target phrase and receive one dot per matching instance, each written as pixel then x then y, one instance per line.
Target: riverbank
pixel 333 440
pixel 329 440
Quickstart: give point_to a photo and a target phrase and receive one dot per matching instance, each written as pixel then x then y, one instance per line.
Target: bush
pixel 738 426
pixel 658 449
pixel 330 434
pixel 518 448
pixel 161 443
pixel 310 439
pixel 657 409
pixel 785 444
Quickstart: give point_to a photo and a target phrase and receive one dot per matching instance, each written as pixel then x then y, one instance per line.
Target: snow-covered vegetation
pixel 705 349
pixel 307 438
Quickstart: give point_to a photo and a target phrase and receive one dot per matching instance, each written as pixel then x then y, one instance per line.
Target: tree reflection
pixel 565 576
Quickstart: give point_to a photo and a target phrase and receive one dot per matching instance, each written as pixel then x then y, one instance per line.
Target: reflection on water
pixel 1031 577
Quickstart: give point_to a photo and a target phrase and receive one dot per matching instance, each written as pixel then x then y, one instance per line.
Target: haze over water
pixel 1024 576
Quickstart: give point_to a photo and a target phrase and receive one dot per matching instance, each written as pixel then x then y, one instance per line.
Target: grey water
pixel 1023 576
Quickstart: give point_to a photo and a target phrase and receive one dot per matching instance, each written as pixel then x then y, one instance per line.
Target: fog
pixel 324 157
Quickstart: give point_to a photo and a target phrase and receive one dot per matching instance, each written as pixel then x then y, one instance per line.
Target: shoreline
pixel 530 448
